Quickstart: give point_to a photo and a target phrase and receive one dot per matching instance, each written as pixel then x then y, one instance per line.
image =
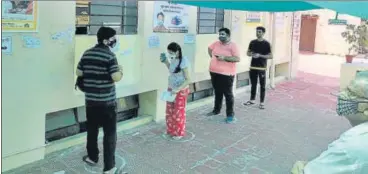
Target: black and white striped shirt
pixel 97 65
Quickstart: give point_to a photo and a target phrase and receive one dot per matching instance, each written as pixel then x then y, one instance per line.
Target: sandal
pixel 248 103
pixel 261 106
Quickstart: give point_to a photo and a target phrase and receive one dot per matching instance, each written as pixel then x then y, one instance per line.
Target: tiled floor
pixel 298 123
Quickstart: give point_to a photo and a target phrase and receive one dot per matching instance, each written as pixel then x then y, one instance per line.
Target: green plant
pixel 356 36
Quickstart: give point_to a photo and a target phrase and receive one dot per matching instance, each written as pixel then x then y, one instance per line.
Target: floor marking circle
pixel 278 94
pixel 120 161
pixel 189 137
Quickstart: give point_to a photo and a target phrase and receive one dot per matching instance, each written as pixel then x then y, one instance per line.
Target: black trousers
pixel 223 86
pixel 104 116
pixel 254 75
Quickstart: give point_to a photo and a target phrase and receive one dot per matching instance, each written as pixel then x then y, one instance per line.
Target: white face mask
pixel 116 47
pixel 171 55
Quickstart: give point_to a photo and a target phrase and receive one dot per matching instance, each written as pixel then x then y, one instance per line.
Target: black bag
pixel 346 107
pixel 79 84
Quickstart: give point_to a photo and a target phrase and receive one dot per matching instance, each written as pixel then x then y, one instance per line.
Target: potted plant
pixel 356 37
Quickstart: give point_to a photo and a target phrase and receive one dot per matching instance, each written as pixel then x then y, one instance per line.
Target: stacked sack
pixel 357 90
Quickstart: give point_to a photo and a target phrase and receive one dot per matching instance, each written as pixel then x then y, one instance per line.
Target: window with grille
pixel 210 20
pixel 120 15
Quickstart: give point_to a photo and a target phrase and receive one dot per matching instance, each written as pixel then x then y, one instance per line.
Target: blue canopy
pixel 354 8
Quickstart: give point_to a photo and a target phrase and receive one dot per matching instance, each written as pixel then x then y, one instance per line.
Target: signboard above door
pixel 337 22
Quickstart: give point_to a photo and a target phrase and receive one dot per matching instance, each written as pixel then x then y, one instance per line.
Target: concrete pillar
pixel 296 24
pixel 273 46
pixel 151 104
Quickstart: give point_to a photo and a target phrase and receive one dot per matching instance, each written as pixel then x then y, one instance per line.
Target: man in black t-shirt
pixel 260 51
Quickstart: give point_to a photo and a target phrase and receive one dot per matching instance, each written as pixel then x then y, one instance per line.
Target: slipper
pixel 87 160
pixel 248 103
pixel 261 106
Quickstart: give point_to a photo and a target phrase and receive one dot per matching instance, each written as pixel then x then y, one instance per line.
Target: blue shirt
pixel 177 79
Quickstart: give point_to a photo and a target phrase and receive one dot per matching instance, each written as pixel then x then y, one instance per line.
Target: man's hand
pixel 220 58
pixel 256 55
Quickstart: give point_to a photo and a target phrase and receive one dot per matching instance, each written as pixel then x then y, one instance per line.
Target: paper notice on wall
pixel 153 41
pixel 6 45
pixel 31 42
pixel 67 34
pixel 235 23
pixel 280 21
pixel 253 18
pixel 189 39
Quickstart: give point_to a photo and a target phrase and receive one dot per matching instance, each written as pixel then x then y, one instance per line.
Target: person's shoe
pixel 90 162
pixel 213 113
pixel 229 119
pixel 249 103
pixel 261 106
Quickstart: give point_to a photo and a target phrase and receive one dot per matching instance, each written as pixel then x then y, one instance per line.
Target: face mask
pixel 160 22
pixel 171 56
pixel 114 46
pixel 223 39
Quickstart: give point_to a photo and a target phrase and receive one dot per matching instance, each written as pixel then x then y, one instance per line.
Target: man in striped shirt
pixel 99 70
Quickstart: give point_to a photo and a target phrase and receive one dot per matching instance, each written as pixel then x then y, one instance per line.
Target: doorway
pixel 308 33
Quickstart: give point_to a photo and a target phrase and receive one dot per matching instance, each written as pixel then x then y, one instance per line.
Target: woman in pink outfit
pixel 178 85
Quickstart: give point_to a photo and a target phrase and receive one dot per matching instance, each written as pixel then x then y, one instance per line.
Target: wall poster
pixel 253 18
pixel 19 16
pixel 6 45
pixel 82 13
pixel 170 17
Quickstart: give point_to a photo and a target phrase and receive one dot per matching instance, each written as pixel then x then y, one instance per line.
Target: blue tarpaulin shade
pixel 354 8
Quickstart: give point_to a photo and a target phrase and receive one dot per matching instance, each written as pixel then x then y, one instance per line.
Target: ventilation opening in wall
pixel 282 69
pixel 65 123
pixel 81 30
pixel 200 90
pixel 242 79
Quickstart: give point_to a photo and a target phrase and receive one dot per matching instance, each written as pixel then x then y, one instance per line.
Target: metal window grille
pixel 120 15
pixel 209 20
